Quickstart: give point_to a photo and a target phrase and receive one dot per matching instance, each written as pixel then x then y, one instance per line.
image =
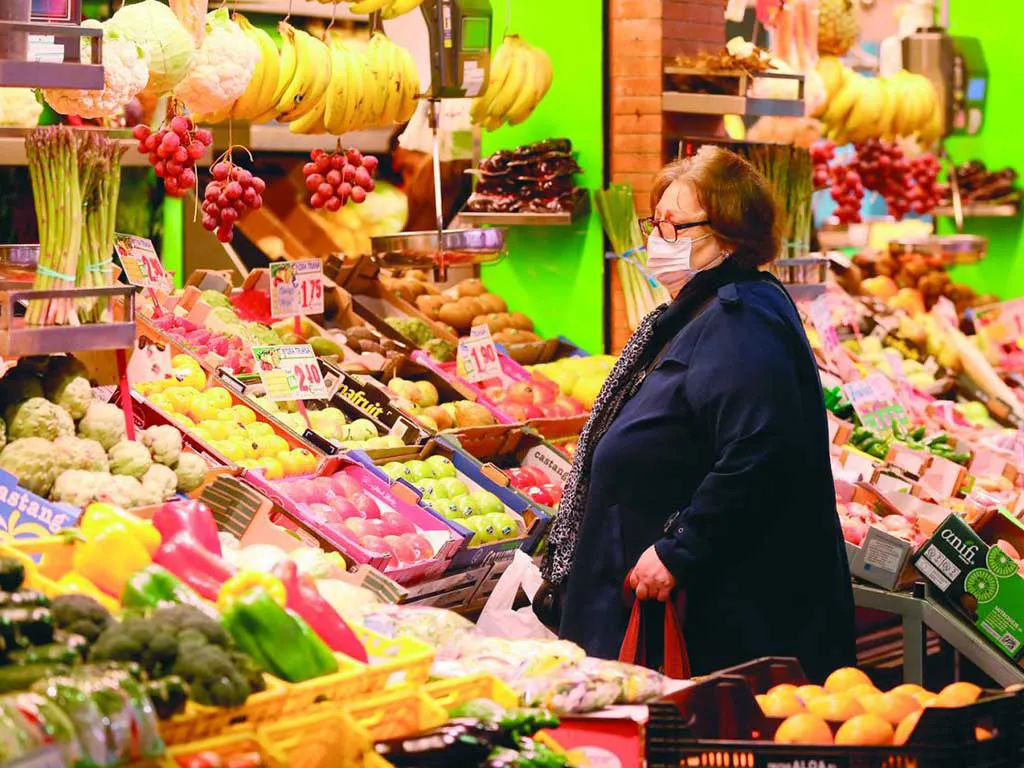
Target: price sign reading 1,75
pixel 297 288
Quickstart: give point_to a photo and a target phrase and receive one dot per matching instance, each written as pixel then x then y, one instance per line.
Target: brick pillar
pixel 644 34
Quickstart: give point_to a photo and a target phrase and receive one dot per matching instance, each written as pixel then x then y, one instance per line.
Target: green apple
pixel 466 506
pixel 504 526
pixel 428 485
pixel 482 532
pixel 394 470
pixel 418 470
pixel 360 429
pixel 449 509
pixel 450 488
pixel 487 503
pixel 442 466
pixel 391 441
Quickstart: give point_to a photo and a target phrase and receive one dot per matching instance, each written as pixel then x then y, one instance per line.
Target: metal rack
pixel 580 209
pixel 12 146
pixel 732 104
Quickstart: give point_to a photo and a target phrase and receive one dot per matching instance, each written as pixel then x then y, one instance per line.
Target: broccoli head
pixel 179 619
pixel 152 644
pixel 213 678
pixel 80 615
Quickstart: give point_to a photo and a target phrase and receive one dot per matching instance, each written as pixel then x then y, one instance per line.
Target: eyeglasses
pixel 668 230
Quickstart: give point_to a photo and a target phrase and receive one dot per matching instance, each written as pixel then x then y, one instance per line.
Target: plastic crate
pixel 394 662
pixel 229 746
pixel 718 723
pixel 451 693
pixel 326 739
pixel 397 714
pixel 350 680
pixel 199 722
pixel 46 559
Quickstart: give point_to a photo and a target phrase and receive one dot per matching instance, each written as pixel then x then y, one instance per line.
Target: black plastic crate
pixel 717 723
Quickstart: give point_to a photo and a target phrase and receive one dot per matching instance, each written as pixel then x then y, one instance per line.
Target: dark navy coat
pixel 720 460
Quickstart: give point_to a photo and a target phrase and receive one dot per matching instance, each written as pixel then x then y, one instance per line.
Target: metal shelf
pixel 737 103
pixel 580 209
pixel 979 211
pixel 274 137
pixel 12 147
pixel 307 8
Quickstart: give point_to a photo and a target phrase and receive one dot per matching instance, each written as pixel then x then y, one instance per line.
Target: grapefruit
pixel 957 695
pixel 892 707
pixel 835 706
pixel 844 679
pixel 864 731
pixel 906 727
pixel 803 729
pixel 781 704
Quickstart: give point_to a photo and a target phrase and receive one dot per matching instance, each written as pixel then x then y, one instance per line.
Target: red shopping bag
pixel 634 646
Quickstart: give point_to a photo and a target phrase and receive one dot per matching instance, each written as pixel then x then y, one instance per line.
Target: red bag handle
pixel 677 660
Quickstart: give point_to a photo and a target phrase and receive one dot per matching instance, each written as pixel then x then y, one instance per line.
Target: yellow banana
pixel 499 71
pixel 355 96
pixel 511 87
pixel 394 83
pixel 367 6
pixel 396 8
pixel 885 122
pixel 312 122
pixel 377 60
pixel 260 91
pixel 335 101
pixel 863 121
pixel 311 78
pixel 529 90
pixel 410 86
pixel 839 106
pixel 289 60
pixel 833 74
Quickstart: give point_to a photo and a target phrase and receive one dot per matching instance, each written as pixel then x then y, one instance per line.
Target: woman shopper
pixel 704 468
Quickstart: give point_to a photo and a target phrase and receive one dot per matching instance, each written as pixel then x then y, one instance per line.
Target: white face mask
pixel 669 263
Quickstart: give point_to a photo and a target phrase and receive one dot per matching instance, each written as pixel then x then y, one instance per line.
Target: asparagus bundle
pixel 789 171
pixel 619 219
pixel 100 171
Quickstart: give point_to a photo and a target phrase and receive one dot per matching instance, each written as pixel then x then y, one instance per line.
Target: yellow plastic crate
pixel 230 745
pixel 372 760
pixel 327 739
pixel 200 722
pixel 350 680
pixel 397 713
pixel 451 693
pixel 394 662
pixel 56 557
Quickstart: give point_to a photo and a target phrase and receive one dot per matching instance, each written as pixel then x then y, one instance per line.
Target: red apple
pixel 420 546
pixel 343 508
pixel 540 496
pixel 854 531
pixel 515 411
pixel 554 490
pixel 324 488
pixel 344 485
pixel 403 551
pixel 376 544
pixel 320 512
pixel 544 391
pixel 374 527
pixel 572 404
pixel 495 394
pixel 367 507
pixel 300 493
pixel 395 524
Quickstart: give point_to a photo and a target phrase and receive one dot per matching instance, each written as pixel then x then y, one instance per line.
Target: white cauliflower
pixel 222 67
pixel 125 73
pixel 19 108
pixel 78 487
pixel 160 483
pixel 121 491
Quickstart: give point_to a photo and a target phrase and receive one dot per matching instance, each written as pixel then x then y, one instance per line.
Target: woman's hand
pixel 650 579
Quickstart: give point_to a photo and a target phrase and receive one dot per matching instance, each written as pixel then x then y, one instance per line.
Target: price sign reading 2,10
pixel 297 288
pixel 290 372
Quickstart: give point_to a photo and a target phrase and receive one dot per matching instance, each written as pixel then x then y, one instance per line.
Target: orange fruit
pixel 788 687
pixel 924 698
pixel 982 734
pixel 957 695
pixel 807 692
pixel 909 689
pixel 803 729
pixel 844 679
pixel 906 727
pixel 861 690
pixel 892 707
pixel 864 731
pixel 835 706
pixel 782 703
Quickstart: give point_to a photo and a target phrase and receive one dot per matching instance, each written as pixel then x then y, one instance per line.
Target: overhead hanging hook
pixel 508 18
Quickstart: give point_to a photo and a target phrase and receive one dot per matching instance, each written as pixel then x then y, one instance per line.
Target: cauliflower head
pixel 79 453
pixel 190 471
pixel 222 68
pixel 168 45
pixel 30 459
pixel 125 74
pixel 160 482
pixel 79 487
pixel 19 108
pixel 104 423
pixel 164 443
pixel 38 417
pixel 72 393
pixel 18 385
pixel 129 458
pixel 122 491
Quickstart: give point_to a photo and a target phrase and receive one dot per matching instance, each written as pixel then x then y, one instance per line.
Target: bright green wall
pixel 555 274
pixel 999 143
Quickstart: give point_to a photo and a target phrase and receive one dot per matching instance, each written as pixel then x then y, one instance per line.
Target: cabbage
pixel 155 28
pixel 317 563
pixel 259 557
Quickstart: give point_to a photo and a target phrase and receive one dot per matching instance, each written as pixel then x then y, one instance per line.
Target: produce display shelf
pixel 274 137
pixel 732 104
pixel 580 209
pixel 70 72
pixel 12 147
pixel 307 8
pixel 979 211
pixel 918 613
pixel 18 339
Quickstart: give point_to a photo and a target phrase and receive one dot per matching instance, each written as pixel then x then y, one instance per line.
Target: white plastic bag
pixel 499 618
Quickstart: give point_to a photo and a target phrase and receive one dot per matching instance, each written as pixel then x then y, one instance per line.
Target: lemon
pixel 272 445
pixel 258 429
pixel 243 414
pixel 219 397
pixel 272 468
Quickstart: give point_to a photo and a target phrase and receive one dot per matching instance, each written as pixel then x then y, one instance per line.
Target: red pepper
pixel 191 516
pixel 194 564
pixel 305 599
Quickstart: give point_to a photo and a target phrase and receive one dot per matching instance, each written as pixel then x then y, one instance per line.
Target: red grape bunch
pixel 906 184
pixel 848 191
pixel 233 191
pixel 822 153
pixel 173 151
pixel 333 179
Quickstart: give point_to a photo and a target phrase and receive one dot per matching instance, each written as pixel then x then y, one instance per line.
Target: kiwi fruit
pixel 491 303
pixel 369 346
pixel 520 321
pixel 457 315
pixel 429 305
pixel 359 333
pixel 470 287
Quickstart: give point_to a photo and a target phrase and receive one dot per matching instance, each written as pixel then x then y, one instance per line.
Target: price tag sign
pixel 946 309
pixel 896 364
pixel 141 265
pixel 476 358
pixel 821 319
pixel 1003 323
pixel 297 288
pixel 290 372
pixel 875 401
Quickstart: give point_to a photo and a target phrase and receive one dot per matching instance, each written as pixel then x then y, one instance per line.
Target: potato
pixel 520 321
pixel 492 304
pixel 470 287
pixel 459 316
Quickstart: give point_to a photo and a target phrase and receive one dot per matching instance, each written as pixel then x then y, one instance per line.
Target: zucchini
pixel 12 574
pixel 21 678
pixel 53 653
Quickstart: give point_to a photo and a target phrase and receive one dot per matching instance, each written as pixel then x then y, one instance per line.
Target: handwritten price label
pixel 1003 323
pixel 476 358
pixel 875 401
pixel 141 265
pixel 297 288
pixel 290 372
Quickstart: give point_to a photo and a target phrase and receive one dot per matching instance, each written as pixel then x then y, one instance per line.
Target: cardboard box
pixel 839 431
pixel 979 580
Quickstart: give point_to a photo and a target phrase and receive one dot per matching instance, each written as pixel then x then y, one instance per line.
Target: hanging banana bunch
pixel 389 9
pixel 520 77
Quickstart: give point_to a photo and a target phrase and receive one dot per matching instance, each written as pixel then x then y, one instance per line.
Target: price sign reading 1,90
pixel 476 357
pixel 290 372
pixel 297 288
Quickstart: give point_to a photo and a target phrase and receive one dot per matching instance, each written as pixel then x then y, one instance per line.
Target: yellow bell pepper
pixel 109 558
pixel 241 583
pixel 100 517
pixel 75 583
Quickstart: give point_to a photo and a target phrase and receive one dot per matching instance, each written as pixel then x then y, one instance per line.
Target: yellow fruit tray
pixel 394 662
pixel 451 693
pixel 397 713
pixel 200 722
pixel 328 738
pixel 231 745
pixel 55 555
pixel 350 680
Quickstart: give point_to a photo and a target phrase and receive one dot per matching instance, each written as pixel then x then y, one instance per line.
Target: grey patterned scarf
pixel 623 379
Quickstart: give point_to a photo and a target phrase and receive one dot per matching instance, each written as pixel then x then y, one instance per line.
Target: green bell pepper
pixel 155 586
pixel 278 639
